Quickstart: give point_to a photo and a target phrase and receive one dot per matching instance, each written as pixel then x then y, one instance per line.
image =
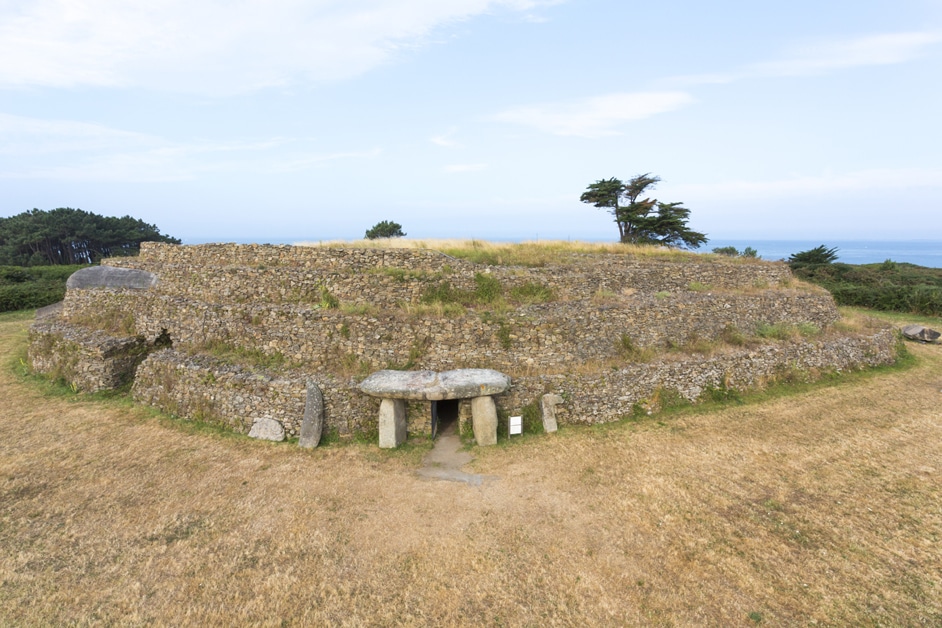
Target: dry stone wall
pixel 200 387
pixel 547 336
pixel 226 273
pixel 90 360
pixel 267 303
pixel 604 396
pixel 212 390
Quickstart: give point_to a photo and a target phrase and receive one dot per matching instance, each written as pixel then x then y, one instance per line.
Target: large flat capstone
pixel 110 277
pixel 432 386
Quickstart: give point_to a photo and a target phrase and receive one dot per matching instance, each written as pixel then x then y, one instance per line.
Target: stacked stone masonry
pixel 269 301
pixel 89 360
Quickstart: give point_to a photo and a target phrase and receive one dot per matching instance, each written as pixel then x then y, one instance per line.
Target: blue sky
pixel 314 119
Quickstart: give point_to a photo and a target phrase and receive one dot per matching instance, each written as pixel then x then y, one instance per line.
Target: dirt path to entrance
pixel 448 457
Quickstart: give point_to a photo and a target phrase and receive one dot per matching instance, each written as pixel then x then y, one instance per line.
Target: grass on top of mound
pixel 531 253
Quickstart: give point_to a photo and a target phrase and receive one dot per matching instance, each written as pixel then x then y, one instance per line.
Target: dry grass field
pixel 822 506
pixel 532 253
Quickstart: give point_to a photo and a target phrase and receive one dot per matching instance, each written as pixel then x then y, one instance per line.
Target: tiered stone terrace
pixel 250 325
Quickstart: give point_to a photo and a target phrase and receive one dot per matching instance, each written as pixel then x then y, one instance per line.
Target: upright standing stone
pixel 392 423
pixel 313 424
pixel 548 408
pixel 484 420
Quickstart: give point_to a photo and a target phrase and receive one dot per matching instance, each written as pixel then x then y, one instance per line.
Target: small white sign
pixel 515 425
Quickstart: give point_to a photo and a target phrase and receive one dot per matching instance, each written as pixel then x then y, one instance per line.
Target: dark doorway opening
pixel 162 341
pixel 444 415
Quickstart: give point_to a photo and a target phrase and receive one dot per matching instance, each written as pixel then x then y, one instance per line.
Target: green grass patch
pixel 897 318
pixel 327 300
pixel 233 354
pixel 110 319
pixel 787 331
pixel 531 292
pixel 17 315
pixel 400 274
pixel 487 291
pixel 697 286
pixel 627 350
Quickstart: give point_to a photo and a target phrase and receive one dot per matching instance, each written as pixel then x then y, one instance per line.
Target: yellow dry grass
pixel 529 253
pixel 823 507
pixel 439 244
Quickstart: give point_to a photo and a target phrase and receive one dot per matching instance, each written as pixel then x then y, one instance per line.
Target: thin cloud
pixel 217 46
pixel 459 168
pixel 886 49
pixel 21 135
pixel 861 181
pixel 824 57
pixel 595 117
pixel 316 160
pixel 445 139
pixel 78 151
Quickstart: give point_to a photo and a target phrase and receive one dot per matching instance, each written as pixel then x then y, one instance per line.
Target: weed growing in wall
pixel 504 328
pixel 416 352
pixel 732 336
pixel 351 365
pixel 359 309
pixel 240 355
pixel 401 274
pixel 696 344
pixel 626 349
pixel 442 292
pixel 787 331
pixel 531 292
pixel 111 320
pixel 532 418
pixel 328 301
pixel 487 291
pixel 722 393
pixel 441 310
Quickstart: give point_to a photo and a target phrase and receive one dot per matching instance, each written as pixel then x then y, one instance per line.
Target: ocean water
pixel 920 252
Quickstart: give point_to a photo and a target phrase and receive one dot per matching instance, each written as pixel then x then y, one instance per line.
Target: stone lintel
pixel 110 277
pixel 432 386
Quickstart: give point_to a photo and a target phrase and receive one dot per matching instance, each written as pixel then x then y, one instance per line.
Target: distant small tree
pixel 732 251
pixel 728 251
pixel 817 255
pixel 643 221
pixel 385 229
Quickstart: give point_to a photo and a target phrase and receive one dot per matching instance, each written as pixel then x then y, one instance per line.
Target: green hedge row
pixel 925 300
pixel 32 287
pixel 889 286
